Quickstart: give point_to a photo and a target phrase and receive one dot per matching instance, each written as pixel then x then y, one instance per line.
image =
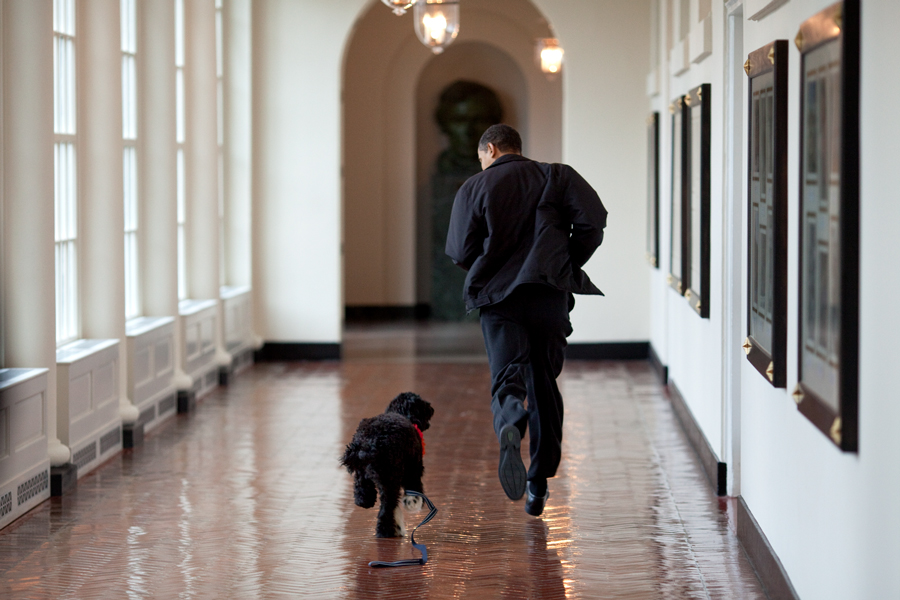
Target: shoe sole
pixel 511 470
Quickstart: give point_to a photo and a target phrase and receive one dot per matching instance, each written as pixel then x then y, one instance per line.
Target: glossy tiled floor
pixel 244 497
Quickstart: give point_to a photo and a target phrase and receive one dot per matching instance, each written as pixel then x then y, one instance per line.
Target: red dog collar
pixel 421 437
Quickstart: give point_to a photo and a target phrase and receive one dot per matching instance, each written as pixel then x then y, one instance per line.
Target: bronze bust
pixel 465 111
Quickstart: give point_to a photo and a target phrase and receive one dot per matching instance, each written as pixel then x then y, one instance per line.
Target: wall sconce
pixel 437 23
pixel 399 6
pixel 550 55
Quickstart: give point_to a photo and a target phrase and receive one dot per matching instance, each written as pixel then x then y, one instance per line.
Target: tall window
pixel 179 139
pixel 65 179
pixel 129 156
pixel 220 128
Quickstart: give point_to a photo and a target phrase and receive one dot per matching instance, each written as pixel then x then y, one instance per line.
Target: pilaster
pixel 29 291
pixel 102 210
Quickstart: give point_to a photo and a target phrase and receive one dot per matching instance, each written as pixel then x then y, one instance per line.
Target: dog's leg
pixel 388 524
pixel 412 480
pixel 364 492
pixel 399 521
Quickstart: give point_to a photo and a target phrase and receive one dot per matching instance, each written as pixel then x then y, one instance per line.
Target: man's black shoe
pixel 511 470
pixel 534 504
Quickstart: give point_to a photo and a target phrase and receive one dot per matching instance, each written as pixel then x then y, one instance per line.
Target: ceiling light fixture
pixel 399 6
pixel 550 55
pixel 437 23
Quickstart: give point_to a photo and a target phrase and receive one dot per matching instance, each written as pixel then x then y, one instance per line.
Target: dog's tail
pixel 355 456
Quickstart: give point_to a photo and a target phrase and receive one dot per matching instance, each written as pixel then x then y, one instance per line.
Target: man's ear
pixel 495 152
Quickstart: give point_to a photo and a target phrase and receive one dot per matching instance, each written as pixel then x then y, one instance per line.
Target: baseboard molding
pixel 662 371
pixel 762 556
pixel 281 352
pixel 387 313
pixel 609 351
pixel 716 471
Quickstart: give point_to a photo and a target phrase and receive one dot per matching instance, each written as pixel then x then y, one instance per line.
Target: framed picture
pixel 697 186
pixel 653 189
pixel 677 255
pixel 828 320
pixel 766 343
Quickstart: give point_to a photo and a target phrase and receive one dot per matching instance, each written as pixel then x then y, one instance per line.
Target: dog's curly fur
pixel 385 457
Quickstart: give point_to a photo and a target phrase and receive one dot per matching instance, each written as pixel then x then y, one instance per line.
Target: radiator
pixel 87 384
pixel 237 311
pixel 24 465
pixel 151 366
pixel 198 327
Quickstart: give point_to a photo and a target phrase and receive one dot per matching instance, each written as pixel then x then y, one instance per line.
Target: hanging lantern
pixel 437 23
pixel 550 55
pixel 399 6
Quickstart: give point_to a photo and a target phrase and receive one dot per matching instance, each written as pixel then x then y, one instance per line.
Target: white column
pixel 157 168
pixel 30 286
pixel 238 159
pixel 202 159
pixel 102 212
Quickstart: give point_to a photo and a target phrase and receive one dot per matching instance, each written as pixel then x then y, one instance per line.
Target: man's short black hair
pixel 503 137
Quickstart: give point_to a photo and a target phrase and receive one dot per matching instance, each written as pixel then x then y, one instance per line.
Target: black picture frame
pixel 827 391
pixel 696 176
pixel 677 257
pixel 767 213
pixel 653 190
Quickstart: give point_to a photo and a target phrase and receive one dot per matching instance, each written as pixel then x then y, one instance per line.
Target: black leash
pixel 412 537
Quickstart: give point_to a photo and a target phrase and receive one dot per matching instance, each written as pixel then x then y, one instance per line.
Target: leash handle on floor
pixel 412 537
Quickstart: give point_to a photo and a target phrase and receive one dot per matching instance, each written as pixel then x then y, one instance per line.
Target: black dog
pixel 385 457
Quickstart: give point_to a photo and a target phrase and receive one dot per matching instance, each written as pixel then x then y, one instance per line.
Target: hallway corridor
pixel 243 498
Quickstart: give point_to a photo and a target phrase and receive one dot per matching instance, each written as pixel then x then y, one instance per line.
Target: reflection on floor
pixel 423 341
pixel 244 498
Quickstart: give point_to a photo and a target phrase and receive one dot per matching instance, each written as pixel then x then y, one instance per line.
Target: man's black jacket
pixel 521 221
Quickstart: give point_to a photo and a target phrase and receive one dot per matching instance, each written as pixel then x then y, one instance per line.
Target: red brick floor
pixel 244 498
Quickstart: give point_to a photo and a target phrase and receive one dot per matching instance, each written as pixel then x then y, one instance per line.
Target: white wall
pixel 693 347
pixel 604 111
pixel 879 324
pixel 298 47
pixel 824 510
pixel 830 516
pixel 689 345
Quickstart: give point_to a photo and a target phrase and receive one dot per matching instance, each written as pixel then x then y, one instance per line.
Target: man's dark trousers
pixel 525 337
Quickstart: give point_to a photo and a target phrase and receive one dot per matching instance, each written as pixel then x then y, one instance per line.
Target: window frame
pixel 65 185
pixel 131 158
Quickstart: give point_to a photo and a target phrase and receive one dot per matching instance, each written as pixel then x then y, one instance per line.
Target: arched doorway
pixel 390 140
